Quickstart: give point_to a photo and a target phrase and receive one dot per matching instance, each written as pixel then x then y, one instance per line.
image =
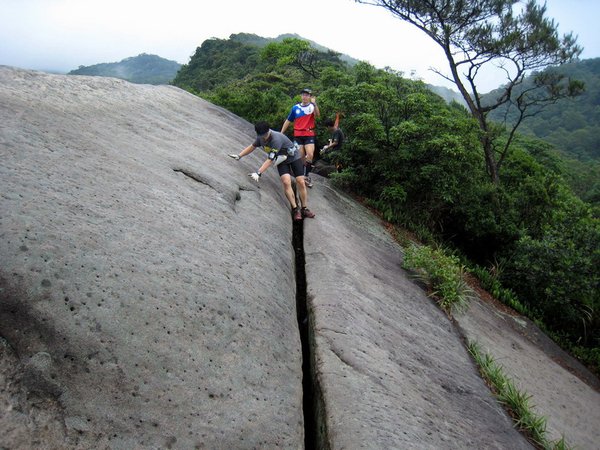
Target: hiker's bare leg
pixel 286 180
pixel 309 149
pixel 302 190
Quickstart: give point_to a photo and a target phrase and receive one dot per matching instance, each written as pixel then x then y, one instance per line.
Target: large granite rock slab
pixel 560 388
pixel 147 287
pixel 391 370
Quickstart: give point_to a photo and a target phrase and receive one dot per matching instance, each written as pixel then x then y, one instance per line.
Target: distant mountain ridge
pixel 572 124
pixel 448 94
pixel 153 69
pixel 141 69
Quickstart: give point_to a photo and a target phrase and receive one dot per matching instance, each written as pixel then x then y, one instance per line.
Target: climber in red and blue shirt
pixel 303 116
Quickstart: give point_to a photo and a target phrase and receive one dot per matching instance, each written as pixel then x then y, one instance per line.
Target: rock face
pixel 561 389
pixel 391 370
pixel 147 284
pixel 148 292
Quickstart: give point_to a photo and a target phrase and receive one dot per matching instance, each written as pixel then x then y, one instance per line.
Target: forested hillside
pixel 253 39
pixel 572 126
pixel 419 161
pixel 146 69
pixel 220 61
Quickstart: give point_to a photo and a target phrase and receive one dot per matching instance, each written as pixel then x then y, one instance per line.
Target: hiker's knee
pixel 286 180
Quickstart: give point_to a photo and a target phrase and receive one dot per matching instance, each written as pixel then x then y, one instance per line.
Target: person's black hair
pixel 261 128
pixel 329 122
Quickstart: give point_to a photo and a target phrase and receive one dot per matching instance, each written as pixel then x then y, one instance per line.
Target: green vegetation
pixel 146 69
pixel 478 34
pixel 489 280
pixel 572 126
pixel 517 402
pixel 252 39
pixel 419 162
pixel 442 273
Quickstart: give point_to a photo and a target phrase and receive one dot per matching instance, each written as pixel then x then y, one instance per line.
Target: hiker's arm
pixel 264 166
pixel 337 120
pixel 285 126
pixel 317 110
pixel 256 175
pixel 330 145
pixel 247 150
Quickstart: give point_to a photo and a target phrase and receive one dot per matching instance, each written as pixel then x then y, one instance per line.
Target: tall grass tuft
pixel 516 401
pixel 442 273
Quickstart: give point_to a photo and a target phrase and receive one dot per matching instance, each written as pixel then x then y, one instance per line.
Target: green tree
pixel 556 271
pixel 299 54
pixel 255 98
pixel 477 34
pixel 218 62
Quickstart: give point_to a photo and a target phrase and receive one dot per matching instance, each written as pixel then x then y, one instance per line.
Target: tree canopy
pixel 475 34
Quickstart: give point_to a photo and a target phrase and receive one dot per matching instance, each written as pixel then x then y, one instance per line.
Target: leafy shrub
pixel 492 284
pixel 442 273
pixel 557 273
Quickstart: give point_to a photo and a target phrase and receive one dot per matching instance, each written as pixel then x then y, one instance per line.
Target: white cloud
pixel 63 34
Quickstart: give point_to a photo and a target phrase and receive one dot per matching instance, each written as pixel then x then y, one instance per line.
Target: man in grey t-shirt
pixel 286 157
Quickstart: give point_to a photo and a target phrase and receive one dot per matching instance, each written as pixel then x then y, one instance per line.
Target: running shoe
pixel 308 213
pixel 297 215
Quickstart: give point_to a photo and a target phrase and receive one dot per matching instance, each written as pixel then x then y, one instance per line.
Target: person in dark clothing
pixel 286 157
pixel 337 138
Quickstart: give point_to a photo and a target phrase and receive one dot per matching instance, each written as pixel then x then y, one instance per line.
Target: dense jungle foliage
pixel 418 160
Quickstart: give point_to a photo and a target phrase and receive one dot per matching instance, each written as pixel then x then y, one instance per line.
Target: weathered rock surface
pixel 561 389
pixel 391 369
pixel 147 291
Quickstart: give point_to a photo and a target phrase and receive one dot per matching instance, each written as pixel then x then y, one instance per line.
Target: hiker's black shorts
pixel 295 168
pixel 303 140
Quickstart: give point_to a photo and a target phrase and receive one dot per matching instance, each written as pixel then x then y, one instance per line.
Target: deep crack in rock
pixel 308 402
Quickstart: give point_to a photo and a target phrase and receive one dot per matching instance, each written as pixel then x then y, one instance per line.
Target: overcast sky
pixel 60 35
